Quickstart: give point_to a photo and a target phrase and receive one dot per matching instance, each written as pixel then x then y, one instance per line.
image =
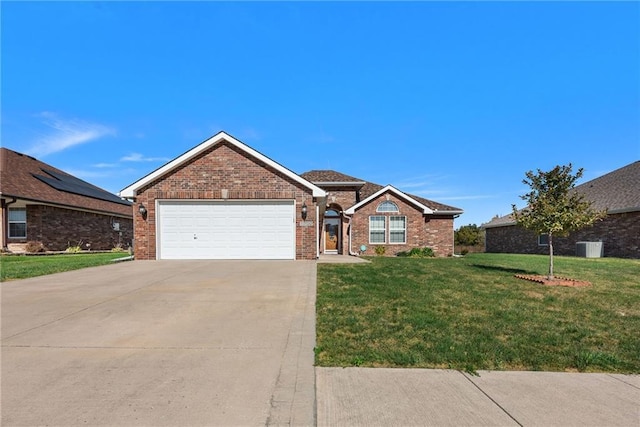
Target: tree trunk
pixel 550 276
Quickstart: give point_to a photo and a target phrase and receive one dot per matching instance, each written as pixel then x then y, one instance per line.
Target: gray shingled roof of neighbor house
pixel 27 178
pixel 617 192
pixel 368 188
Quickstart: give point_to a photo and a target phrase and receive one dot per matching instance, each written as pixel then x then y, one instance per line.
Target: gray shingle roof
pixel 25 177
pixel 618 191
pixel 368 188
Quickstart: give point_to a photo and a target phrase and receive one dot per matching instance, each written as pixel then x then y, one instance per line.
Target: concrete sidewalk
pixel 419 397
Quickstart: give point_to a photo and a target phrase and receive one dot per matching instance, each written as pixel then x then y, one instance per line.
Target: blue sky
pixel 452 101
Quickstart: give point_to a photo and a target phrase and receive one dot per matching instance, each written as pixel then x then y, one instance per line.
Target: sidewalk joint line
pixel 491 398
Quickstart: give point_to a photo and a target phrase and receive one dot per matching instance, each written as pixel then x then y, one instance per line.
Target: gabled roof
pixel 328 178
pixel 218 138
pixel 26 178
pixel 617 192
pixel 390 189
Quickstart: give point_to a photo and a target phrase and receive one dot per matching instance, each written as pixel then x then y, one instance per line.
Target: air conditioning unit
pixel 589 249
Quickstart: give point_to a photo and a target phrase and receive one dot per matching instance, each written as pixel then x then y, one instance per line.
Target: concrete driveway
pixel 161 343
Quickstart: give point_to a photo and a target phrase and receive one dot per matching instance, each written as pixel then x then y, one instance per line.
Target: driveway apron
pixel 161 343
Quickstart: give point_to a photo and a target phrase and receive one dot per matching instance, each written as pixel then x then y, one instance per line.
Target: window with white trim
pixel 377 229
pixel 397 229
pixel 387 206
pixel 17 223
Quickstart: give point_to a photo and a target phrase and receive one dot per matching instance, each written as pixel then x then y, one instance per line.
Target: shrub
pixel 34 246
pixel 74 249
pixel 380 250
pixel 425 252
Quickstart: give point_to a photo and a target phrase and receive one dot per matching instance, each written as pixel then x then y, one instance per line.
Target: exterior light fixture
pixel 142 210
pixel 303 211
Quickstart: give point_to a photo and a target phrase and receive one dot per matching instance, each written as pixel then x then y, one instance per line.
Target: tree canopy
pixel 553 206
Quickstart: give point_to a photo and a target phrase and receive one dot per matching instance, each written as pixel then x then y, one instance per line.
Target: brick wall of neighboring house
pixel 619 234
pixel 59 228
pixel 431 231
pixel 223 167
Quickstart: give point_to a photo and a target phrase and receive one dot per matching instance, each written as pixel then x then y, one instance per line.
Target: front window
pixel 397 229
pixel 377 229
pixel 18 222
pixel 543 240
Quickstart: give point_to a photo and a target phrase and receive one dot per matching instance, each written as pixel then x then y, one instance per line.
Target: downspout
pixel 317 231
pixel 5 221
pixel 350 240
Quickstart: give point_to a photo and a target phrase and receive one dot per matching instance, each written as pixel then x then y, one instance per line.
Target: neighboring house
pixel 41 203
pixel 618 192
pixel 224 200
pixel 361 216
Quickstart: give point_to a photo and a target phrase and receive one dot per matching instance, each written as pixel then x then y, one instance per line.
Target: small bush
pixel 418 253
pixel 118 248
pixel 380 250
pixel 34 246
pixel 464 251
pixel 74 249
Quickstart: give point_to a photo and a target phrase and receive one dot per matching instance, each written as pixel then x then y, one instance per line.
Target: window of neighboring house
pixel 18 222
pixel 387 206
pixel 543 240
pixel 397 229
pixel 377 229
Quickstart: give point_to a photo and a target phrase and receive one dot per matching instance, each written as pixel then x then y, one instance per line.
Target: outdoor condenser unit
pixel 589 249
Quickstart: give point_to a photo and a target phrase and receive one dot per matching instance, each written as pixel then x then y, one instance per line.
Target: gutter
pixel 350 239
pixel 5 220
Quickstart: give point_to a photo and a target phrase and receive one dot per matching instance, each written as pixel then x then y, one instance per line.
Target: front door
pixel 331 235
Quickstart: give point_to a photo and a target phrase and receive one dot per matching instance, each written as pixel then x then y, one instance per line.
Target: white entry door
pixel 226 229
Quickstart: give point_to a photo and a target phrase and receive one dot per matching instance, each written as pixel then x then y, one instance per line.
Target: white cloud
pixel 105 165
pixel 65 133
pixel 137 157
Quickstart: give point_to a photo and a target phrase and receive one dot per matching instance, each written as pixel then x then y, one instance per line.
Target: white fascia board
pixel 391 189
pixel 131 190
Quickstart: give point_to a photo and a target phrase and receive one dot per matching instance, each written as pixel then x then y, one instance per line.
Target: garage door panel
pixel 226 230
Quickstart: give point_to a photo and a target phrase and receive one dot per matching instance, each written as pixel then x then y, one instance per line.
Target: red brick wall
pixel 431 231
pixel 60 228
pixel 619 234
pixel 224 167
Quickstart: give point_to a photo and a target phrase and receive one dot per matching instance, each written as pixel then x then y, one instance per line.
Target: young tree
pixel 553 208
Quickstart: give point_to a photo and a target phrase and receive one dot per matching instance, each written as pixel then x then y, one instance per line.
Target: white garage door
pixel 226 230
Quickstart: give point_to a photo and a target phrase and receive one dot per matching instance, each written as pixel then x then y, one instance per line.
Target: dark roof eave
pixel 339 183
pixel 62 205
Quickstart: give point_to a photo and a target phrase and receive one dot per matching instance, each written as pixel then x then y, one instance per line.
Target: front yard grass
pixel 471 313
pixel 14 267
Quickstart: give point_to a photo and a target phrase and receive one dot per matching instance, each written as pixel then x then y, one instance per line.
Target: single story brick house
pixel 361 216
pixel 224 200
pixel 618 192
pixel 41 203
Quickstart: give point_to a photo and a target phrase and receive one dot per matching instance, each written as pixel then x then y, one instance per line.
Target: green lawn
pixel 21 267
pixel 471 313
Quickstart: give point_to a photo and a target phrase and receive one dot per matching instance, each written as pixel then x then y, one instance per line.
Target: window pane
pixel 18 229
pixel 396 237
pixel 376 237
pixel 18 214
pixel 397 222
pixel 376 222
